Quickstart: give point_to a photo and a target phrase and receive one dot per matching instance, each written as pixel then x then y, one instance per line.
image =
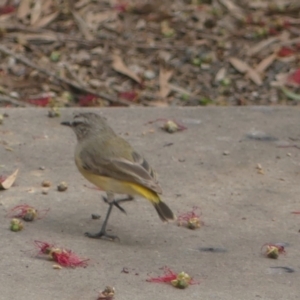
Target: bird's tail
pixel 164 212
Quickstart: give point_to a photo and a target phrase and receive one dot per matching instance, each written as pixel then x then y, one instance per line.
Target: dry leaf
pixel 265 43
pixel 179 89
pixel 261 45
pixel 98 18
pixel 239 65
pixel 32 38
pixel 291 42
pixel 293 21
pixel 36 12
pixel 46 6
pixel 243 67
pixel 119 66
pixel 46 20
pixel 220 75
pixel 164 77
pixel 236 11
pixel 281 79
pixel 265 63
pixel 254 76
pixel 9 181
pixel 24 9
pixel 288 59
pixel 6 19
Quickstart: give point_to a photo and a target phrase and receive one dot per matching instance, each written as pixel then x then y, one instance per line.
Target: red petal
pixel 295 77
pixel 40 101
pixel 285 51
pixel 19 211
pixel 122 7
pixel 67 258
pixel 168 276
pixel 131 95
pixel 43 246
pixel 185 217
pixel 87 100
pixel 273 31
pixel 7 9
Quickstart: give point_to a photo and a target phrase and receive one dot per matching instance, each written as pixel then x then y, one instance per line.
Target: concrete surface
pixel 212 164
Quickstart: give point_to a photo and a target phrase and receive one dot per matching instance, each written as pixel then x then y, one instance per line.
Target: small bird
pixel 110 163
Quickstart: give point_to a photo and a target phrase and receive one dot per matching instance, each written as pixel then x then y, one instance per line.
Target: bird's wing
pixel 137 170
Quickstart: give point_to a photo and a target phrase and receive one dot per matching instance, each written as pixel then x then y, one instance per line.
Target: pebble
pixel 46 183
pixel 63 186
pixel 149 74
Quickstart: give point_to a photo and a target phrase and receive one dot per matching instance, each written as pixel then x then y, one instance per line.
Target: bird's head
pixel 87 124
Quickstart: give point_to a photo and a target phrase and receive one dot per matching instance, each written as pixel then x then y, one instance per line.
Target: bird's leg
pixel 102 233
pixel 116 202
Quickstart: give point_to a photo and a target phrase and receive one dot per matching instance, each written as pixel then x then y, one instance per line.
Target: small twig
pixel 13 101
pixel 52 75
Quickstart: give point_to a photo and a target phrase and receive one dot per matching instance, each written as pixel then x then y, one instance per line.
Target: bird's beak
pixel 66 123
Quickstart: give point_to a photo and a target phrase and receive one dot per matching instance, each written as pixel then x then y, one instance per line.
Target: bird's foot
pixel 101 234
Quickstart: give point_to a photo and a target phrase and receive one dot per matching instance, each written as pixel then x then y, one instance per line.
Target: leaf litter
pixel 151 53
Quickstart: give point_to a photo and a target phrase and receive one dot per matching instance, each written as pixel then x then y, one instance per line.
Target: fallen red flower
pixel 285 51
pixel 273 31
pixel 131 95
pixel 7 9
pixel 295 77
pixel 286 24
pixel 26 212
pixel 191 219
pixel 168 276
pixel 43 101
pixel 179 280
pixel 273 250
pixel 2 178
pixel 121 7
pixel 64 257
pixel 87 100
